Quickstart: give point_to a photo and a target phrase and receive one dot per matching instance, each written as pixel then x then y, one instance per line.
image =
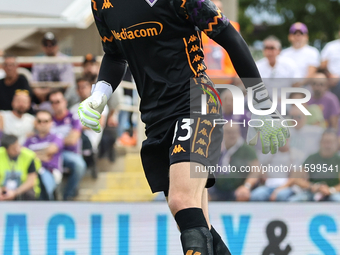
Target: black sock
pixel 195 235
pixel 219 246
pixel 190 218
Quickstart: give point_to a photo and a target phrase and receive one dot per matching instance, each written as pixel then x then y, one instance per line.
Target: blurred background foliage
pixel 260 18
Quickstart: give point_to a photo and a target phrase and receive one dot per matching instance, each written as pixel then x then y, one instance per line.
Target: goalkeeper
pixel 160 40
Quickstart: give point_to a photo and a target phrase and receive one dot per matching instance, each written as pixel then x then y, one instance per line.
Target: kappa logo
pixel 151 2
pixel 207 122
pixel 197 58
pixel 201 142
pixel 211 100
pixel 213 110
pixel 200 151
pixel 107 4
pixel 194 48
pixel 144 29
pixel 190 252
pixel 204 132
pixel 201 67
pixel 177 149
pixel 192 38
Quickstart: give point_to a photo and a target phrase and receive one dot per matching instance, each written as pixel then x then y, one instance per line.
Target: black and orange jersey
pixel 160 40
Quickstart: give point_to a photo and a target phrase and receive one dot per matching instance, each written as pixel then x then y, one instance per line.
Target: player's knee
pixel 178 202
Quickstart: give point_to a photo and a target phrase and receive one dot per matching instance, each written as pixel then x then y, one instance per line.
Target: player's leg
pixel 185 202
pixel 219 246
pixel 205 206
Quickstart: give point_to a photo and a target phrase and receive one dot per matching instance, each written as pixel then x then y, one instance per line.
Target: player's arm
pixel 272 135
pixel 111 73
pixel 209 19
pixel 113 65
pixel 240 55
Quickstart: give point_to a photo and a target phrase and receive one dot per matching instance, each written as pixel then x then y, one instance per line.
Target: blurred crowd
pixel 45 149
pixel 311 155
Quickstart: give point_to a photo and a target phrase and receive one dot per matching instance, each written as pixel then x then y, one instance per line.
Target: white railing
pixel 45 59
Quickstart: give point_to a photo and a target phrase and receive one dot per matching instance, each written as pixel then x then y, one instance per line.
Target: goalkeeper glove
pixel 272 134
pixel 90 109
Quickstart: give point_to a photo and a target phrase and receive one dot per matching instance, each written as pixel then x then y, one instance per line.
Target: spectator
pixel 68 127
pixel 57 72
pixel 323 184
pixel 12 82
pixel 304 138
pixel 330 57
pixel 18 176
pixel 278 71
pixel 285 157
pixel 307 58
pixel 234 185
pixel 48 149
pixel 227 110
pixel 39 100
pixel 18 122
pixel 2 72
pixel 316 117
pixel 328 102
pixel 90 68
pixel 84 91
pixel 333 82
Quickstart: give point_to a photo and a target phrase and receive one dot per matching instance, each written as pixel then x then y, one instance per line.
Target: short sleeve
pixel 27 143
pixel 325 53
pixel 203 14
pixel 309 160
pixel 31 168
pixel 314 58
pixel 109 45
pixel 25 85
pixel 335 105
pixel 58 142
pixel 76 124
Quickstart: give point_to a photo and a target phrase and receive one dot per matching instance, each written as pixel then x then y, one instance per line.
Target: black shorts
pixel 186 139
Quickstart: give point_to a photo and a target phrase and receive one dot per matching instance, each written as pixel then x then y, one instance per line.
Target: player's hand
pixel 90 110
pixel 272 134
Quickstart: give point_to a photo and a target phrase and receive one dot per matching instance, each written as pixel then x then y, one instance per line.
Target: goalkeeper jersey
pixel 161 41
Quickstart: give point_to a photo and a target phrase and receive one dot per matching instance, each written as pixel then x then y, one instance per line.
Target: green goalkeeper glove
pixel 272 134
pixel 90 109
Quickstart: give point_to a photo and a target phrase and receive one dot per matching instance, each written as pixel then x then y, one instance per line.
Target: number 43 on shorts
pixel 185 126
